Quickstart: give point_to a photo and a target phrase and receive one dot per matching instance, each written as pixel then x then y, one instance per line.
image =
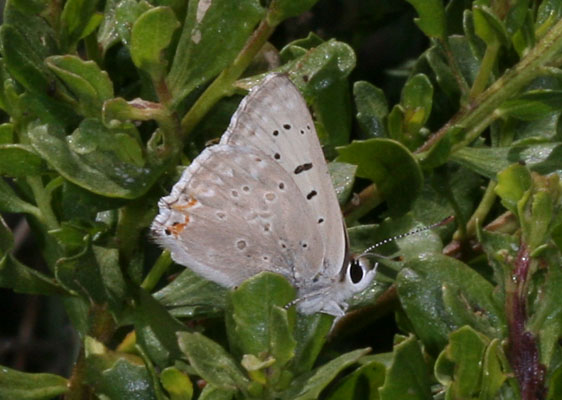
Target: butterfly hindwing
pixel 233 214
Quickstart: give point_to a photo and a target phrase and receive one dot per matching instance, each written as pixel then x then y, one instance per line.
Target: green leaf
pixel 541 157
pixel 331 105
pixel 256 317
pixel 555 384
pixel 466 350
pixel 447 193
pixel 408 376
pixel 417 98
pixel 321 74
pixel 281 342
pixel 395 123
pixel 520 25
pixel 297 48
pixel 212 362
pixel 361 384
pixel 85 79
pixel 156 329
pixel 280 10
pixel 468 62
pixel 343 178
pixel 546 318
pixel 439 153
pixel 23 61
pixel 483 160
pixel 29 7
pixel 533 105
pixel 516 16
pixel 23 279
pixel 151 34
pixel 76 20
pixel 10 202
pixel 536 226
pixel 372 108
pixel 390 165
pixel 312 386
pixel 443 74
pixel 203 51
pixel 118 18
pixel 103 161
pixel 331 60
pixel 211 392
pixel 80 204
pixel 190 295
pixel 118 109
pixel 489 27
pixel 94 272
pixel 310 334
pixel 408 248
pixel 26 41
pixel 6 133
pixel 477 45
pixel 513 183
pixel 115 375
pixel 6 238
pixel 493 376
pixel 18 161
pixel 421 287
pixel 25 386
pixel 431 19
pixel 177 384
pixel 49 110
pixel 9 97
pixel 112 277
pixel 70 237
pixel 548 13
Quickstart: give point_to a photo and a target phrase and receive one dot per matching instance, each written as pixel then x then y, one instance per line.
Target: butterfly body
pixel 262 200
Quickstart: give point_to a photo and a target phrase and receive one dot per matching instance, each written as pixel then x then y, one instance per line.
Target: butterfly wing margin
pixel 274 118
pixel 233 214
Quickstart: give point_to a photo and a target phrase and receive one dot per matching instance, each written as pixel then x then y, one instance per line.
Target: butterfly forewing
pixel 274 118
pixel 233 214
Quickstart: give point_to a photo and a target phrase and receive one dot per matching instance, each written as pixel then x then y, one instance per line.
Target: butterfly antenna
pixel 444 221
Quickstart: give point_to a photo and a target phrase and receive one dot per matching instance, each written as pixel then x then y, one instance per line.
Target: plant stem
pixel 482 111
pixel 160 267
pixel 485 70
pixel 369 198
pixel 43 200
pixel 454 65
pixel 102 328
pixel 479 214
pixel 222 85
pixel 522 350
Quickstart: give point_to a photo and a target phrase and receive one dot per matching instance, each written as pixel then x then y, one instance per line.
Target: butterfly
pixel 263 200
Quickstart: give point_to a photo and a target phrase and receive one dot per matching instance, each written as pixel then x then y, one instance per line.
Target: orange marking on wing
pixel 190 203
pixel 178 227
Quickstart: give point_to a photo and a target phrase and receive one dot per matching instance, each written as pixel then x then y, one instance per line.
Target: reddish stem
pixel 523 349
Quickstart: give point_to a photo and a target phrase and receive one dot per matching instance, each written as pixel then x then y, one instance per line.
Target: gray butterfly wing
pixel 234 213
pixel 274 118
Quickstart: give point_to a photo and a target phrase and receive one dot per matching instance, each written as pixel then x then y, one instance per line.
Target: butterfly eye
pixel 357 270
pixel 359 274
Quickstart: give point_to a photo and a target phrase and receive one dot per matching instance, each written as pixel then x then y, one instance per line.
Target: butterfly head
pixel 358 274
pixel 330 296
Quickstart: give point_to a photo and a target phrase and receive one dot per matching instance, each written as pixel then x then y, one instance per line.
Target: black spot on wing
pixel 302 168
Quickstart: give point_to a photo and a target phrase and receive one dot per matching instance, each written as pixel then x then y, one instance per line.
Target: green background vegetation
pixel 105 102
